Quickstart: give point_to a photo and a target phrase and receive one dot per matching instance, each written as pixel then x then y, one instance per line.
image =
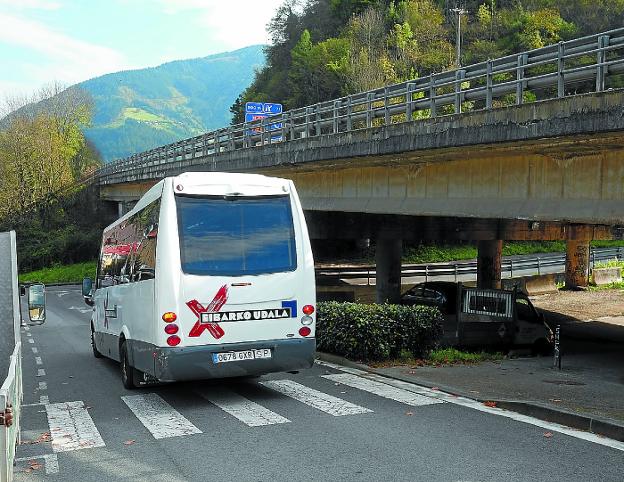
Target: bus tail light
pixel 171 329
pixel 305 331
pixel 307 320
pixel 308 310
pixel 169 317
pixel 173 340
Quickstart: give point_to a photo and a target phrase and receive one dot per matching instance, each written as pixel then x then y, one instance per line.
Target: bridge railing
pixel 568 68
pixel 510 266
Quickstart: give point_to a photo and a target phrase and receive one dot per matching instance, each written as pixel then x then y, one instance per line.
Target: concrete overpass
pixel 387 164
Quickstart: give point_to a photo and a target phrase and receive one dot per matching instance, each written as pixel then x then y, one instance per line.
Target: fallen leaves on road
pixel 490 404
pixel 556 400
pixel 129 442
pixel 409 414
pixel 35 465
pixel 44 437
pixel 548 434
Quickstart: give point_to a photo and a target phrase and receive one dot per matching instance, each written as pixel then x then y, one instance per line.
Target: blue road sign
pixel 254 107
pixel 272 109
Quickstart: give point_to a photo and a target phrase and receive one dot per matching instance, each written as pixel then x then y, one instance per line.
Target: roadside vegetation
pixel 73 273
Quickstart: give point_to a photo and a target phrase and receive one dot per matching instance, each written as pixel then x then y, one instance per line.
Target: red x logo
pixel 215 305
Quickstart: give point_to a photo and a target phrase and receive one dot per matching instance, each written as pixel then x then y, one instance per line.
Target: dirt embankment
pixel 582 305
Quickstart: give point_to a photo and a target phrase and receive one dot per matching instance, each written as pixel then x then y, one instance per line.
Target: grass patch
pixel 453 356
pixel 612 263
pixel 610 286
pixel 72 273
pixel 441 356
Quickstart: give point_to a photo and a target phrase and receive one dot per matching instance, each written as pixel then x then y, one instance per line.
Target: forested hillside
pixel 323 49
pixel 140 109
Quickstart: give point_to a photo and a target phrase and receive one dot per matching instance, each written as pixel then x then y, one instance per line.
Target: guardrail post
pixel 601 57
pixel 455 273
pixel 335 119
pixel 538 266
pixel 291 126
pixel 349 112
pixel 522 61
pixel 369 109
pixel 230 137
pixel 408 101
pixel 488 85
pixel 432 97
pixel 317 122
pixel 459 77
pixel 386 109
pixel 426 273
pixel 511 268
pixel 560 70
pixel 307 121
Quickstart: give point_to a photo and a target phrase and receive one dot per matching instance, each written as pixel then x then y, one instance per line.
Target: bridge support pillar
pixel 577 264
pixel 388 259
pixel 489 264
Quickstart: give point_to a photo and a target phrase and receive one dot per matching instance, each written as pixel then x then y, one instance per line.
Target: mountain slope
pixel 140 109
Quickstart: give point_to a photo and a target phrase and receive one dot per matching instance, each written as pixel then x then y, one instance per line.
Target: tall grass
pixel 72 273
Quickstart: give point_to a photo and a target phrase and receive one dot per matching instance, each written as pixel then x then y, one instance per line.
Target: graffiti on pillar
pixel 577 264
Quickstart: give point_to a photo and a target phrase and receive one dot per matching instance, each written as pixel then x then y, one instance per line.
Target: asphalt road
pixel 77 426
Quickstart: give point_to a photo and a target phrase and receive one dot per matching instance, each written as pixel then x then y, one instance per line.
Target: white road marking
pixel 41 372
pixel 50 462
pixel 44 399
pixel 43 386
pixel 38 360
pixel 321 401
pixel 354 371
pixel 382 389
pixel 29 334
pixel 30 340
pixel 26 328
pixel 160 418
pixel 82 310
pixel 476 405
pixel 34 349
pixel 72 427
pixel 248 412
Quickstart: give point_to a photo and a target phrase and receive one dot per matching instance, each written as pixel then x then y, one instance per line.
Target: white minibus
pixel 210 275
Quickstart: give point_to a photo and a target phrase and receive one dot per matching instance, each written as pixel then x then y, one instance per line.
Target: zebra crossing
pixel 72 427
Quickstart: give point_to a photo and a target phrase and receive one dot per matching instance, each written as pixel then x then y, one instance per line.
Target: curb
pixel 599 426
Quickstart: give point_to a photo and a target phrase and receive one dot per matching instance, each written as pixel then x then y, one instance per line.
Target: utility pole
pixel 459 12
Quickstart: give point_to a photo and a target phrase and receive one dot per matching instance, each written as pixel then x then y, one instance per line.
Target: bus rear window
pixel 236 236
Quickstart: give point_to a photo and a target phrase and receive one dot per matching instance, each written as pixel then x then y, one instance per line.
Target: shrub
pixel 376 332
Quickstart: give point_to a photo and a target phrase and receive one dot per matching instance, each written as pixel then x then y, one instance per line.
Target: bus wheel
pixel 96 352
pixel 127 372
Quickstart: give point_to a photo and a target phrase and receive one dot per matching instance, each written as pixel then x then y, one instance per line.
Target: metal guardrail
pixel 555 71
pixel 427 271
pixel 11 391
pixel 11 394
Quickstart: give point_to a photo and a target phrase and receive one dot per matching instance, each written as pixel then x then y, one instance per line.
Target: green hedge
pixel 376 332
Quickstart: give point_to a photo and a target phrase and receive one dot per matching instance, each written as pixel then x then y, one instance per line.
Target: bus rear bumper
pixel 196 362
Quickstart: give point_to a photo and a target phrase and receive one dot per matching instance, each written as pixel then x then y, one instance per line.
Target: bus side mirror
pixel 87 291
pixel 36 303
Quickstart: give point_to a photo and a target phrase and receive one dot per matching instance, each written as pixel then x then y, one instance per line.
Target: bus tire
pixel 96 352
pixel 128 373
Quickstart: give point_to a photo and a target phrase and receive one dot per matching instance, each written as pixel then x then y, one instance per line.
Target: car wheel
pixel 96 352
pixel 127 372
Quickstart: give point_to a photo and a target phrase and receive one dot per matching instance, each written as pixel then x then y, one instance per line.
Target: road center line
pixel 38 360
pixel 43 386
pixel 160 418
pixel 321 401
pixel 34 349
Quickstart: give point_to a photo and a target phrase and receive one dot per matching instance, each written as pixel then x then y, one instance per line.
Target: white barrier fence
pixel 11 394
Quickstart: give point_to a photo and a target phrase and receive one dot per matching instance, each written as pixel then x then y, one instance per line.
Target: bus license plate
pixel 241 355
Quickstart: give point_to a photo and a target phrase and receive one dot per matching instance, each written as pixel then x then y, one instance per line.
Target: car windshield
pixel 236 236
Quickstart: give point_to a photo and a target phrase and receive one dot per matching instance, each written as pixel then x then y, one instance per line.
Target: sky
pixel 68 41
